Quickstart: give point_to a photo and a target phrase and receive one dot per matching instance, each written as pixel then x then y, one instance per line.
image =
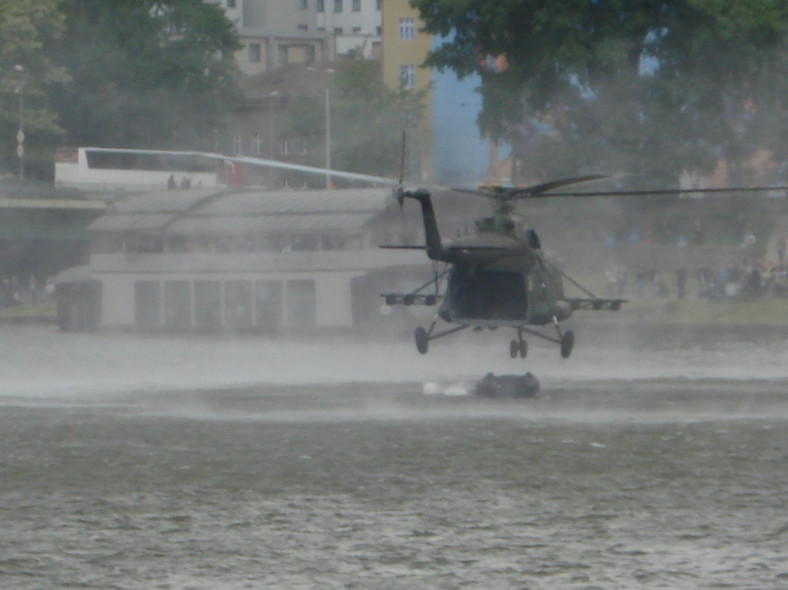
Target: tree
pixel 367 119
pixel 27 77
pixel 646 86
pixel 146 73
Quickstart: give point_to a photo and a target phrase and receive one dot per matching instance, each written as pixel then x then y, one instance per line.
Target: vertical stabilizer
pixel 435 249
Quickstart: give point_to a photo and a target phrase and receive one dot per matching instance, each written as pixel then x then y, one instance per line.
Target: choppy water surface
pixel 650 462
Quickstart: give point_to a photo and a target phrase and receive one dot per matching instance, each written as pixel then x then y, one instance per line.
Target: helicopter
pixel 497 277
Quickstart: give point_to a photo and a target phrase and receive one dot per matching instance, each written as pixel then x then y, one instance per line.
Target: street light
pixel 328 129
pixel 328 136
pixel 271 96
pixel 327 72
pixel 20 136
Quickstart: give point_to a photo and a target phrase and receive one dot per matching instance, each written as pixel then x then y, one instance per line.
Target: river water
pixel 652 460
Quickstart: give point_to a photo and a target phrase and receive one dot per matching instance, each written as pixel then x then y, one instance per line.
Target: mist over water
pixel 38 362
pixel 618 372
pixel 653 459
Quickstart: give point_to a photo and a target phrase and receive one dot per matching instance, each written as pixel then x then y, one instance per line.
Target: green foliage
pixel 645 86
pixel 146 73
pixel 26 72
pixel 367 119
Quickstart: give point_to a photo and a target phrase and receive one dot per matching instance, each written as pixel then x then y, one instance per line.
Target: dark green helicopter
pixel 498 276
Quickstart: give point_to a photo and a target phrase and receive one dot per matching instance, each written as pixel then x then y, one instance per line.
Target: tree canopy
pixel 146 73
pixel 647 86
pixel 127 73
pixel 367 118
pixel 28 77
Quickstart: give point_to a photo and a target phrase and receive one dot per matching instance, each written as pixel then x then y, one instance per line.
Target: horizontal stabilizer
pixel 479 249
pixel 596 304
pixel 391 247
pixel 411 299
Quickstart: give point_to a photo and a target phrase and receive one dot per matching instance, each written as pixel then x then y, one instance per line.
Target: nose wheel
pixel 567 343
pixel 422 340
pixel 518 346
pixel 565 340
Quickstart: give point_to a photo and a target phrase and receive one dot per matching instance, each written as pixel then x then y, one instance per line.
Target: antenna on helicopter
pixel 400 192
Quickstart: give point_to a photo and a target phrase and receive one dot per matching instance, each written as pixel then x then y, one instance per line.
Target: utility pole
pixel 20 136
pixel 328 136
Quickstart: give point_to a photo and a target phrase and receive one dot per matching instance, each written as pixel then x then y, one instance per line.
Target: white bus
pixel 90 168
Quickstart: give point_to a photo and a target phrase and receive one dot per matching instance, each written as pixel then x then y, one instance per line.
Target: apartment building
pixel 356 26
pixel 405 47
pixel 280 32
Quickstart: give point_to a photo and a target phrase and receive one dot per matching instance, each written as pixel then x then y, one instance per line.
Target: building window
pixel 284 147
pixel 356 30
pixel 377 5
pixel 238 305
pixel 147 303
pixel 268 305
pixel 337 5
pixel 207 304
pixel 230 3
pixel 407 29
pixel 177 303
pixel 238 144
pixel 254 52
pixel 301 303
pixel 303 4
pixel 281 52
pixel 356 5
pixel 321 6
pixel 303 27
pixel 257 145
pixel 337 30
pixel 407 76
pixel 310 54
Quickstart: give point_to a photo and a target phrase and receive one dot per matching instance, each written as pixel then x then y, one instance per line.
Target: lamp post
pixel 327 116
pixel 328 136
pixel 329 71
pixel 20 136
pixel 272 96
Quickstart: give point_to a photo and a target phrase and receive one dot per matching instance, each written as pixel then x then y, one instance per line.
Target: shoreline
pixel 689 312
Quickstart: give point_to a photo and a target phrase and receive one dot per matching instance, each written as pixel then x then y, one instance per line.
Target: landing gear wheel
pixel 422 340
pixel 514 349
pixel 567 343
pixel 523 349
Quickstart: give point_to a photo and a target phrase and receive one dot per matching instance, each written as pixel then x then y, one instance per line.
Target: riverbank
pixel 721 312
pixel 690 311
pixel 41 313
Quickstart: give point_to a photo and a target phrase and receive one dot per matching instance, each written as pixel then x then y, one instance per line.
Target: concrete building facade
pixel 243 260
pixel 405 47
pixel 280 32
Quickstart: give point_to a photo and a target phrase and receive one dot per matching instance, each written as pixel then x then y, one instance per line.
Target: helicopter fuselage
pixel 498 276
pixel 509 291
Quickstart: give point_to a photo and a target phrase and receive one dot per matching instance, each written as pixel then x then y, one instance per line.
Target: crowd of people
pixel 15 292
pixel 750 278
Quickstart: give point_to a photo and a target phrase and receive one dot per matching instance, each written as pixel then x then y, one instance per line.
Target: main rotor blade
pixel 528 192
pixel 669 191
pixel 538 189
pixel 308 169
pixel 264 163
